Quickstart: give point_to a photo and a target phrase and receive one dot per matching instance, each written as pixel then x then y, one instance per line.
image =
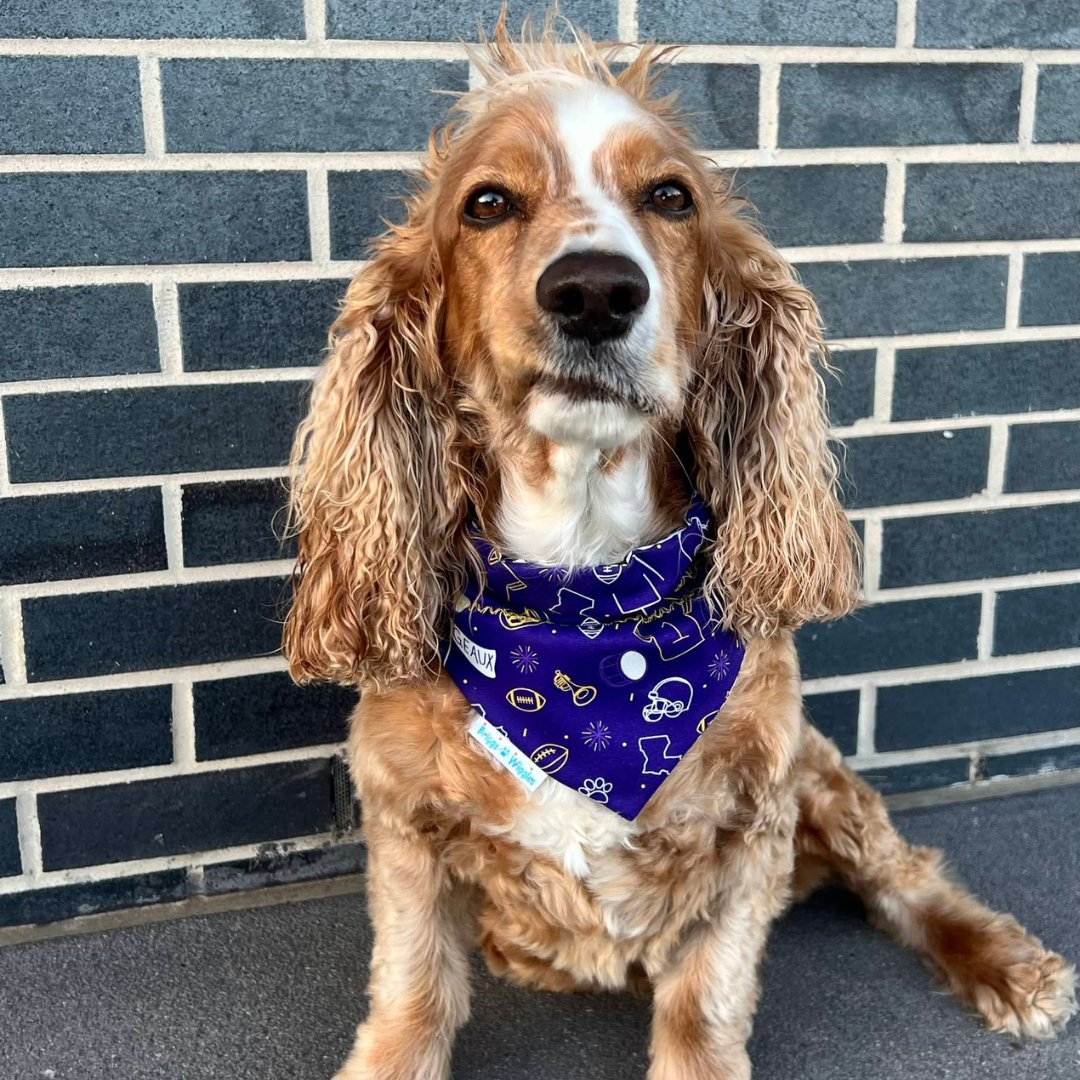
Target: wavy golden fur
pixel 441 403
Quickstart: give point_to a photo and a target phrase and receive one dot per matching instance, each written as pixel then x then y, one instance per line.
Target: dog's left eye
pixel 487 205
pixel 670 198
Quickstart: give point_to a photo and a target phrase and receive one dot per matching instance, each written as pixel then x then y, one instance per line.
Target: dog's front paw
pixel 395 1051
pixel 1036 998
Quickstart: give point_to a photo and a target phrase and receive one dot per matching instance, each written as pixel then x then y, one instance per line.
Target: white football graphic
pixel 526 700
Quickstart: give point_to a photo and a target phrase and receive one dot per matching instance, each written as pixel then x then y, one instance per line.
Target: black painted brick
pixel 151 430
pixel 817 204
pixel 1057 107
pixel 10 862
pixel 70 105
pixel 906 633
pixel 986 707
pixel 257 324
pixel 836 716
pixel 851 390
pixel 447 20
pixel 241 521
pixel 96 219
pixel 922 466
pixel 973 380
pixel 1035 201
pixel 79 330
pixel 898 104
pixel 1051 289
pixel 313 105
pixel 720 101
pixel 989 23
pixel 260 713
pixel 988 543
pixel 1036 620
pixel 863 299
pixel 138 629
pixel 163 18
pixel 1032 762
pixel 360 205
pixel 924 776
pixel 69 734
pixel 150 818
pixel 770 22
pixel 61 902
pixel 276 867
pixel 1043 457
pixel 48 537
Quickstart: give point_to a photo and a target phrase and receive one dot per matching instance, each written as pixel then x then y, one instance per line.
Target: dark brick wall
pixel 185 190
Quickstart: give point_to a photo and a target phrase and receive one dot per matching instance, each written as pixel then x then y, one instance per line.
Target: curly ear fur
pixel 785 553
pixel 379 495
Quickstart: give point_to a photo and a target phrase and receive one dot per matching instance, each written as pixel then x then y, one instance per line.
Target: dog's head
pixel 571 270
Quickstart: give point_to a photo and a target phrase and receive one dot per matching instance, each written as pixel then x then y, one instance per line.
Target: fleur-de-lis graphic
pixel 597 735
pixel 525 659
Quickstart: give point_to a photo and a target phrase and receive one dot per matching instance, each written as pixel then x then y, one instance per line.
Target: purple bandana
pixel 601 678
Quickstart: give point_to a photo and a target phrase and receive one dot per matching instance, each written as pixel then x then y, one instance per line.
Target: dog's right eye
pixel 488 205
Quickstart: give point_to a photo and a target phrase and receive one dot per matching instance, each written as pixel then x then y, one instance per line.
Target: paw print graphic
pixel 597 788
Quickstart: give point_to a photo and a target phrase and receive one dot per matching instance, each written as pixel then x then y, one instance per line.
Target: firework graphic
pixel 524 658
pixel 556 573
pixel 720 667
pixel 597 735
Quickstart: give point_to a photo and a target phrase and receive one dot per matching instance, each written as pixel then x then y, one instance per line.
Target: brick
pixel 140 629
pixel 914 296
pixel 197 812
pixel 769 22
pixel 984 707
pixel 1043 457
pixel 1057 105
pixel 817 204
pixel 924 776
pixel 720 101
pixel 260 713
pixel 105 219
pixel 974 380
pixel 151 430
pixel 164 18
pixel 235 522
pixel 1033 762
pixel 992 202
pixel 276 867
pixel 923 466
pixel 1037 620
pixel 81 330
pixel 432 20
pixel 898 104
pixel 905 633
pixel 1051 289
pixel 69 734
pixel 360 205
pixel 836 716
pixel 70 105
pixel 60 902
pixel 989 23
pixel 10 862
pixel 257 324
pixel 49 537
pixel 851 391
pixel 313 105
pixel 988 543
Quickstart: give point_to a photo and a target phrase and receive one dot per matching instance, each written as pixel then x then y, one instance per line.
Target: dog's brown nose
pixel 593 294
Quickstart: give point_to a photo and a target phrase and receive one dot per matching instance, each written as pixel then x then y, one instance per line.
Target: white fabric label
pixel 502 750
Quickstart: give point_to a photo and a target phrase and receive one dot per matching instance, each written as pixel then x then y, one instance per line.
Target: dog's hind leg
pixel 988 960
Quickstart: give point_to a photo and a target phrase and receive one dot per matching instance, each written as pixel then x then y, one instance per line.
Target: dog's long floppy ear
pixel 379 497
pixel 785 553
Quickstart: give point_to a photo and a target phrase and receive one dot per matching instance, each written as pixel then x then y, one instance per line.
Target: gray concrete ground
pixel 274 994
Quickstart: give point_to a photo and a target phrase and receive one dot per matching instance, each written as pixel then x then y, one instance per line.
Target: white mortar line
pixel 167 314
pixel 123 483
pixel 884 376
pixel 905 24
pixel 318 197
pixel 183 726
pixel 628 21
pixel 153 109
pixel 12 653
pixel 1029 89
pixel 960 337
pixel 1007 501
pixel 999 453
pixel 315 20
pixel 892 227
pixel 29 836
pixel 160 379
pixel 871 554
pixel 986 624
pixel 1038 580
pixel 769 107
pixel 190 273
pixel 172 513
pixel 1013 289
pixel 864 743
pixel 5 482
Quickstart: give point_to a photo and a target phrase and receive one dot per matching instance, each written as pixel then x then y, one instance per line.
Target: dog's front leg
pixel 419 985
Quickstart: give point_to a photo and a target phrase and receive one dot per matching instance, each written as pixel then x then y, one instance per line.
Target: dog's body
pixel 573 334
